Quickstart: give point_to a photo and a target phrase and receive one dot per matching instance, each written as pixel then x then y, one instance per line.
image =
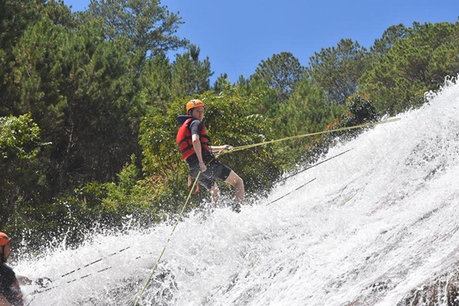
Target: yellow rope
pixel 168 240
pixel 239 148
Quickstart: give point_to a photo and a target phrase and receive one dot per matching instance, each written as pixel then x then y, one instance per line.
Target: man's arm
pixel 218 149
pixel 195 129
pixel 197 148
pixel 3 301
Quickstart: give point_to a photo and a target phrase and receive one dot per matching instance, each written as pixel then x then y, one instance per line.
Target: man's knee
pixel 235 180
pixel 239 183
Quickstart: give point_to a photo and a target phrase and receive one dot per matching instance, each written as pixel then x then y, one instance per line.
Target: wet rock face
pixel 443 290
pixel 440 291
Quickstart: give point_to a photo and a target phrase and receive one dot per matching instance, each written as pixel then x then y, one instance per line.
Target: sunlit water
pixel 375 223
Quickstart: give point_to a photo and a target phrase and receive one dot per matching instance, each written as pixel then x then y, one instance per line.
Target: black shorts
pixel 216 171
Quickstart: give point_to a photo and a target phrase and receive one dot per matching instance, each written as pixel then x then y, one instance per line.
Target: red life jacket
pixel 185 142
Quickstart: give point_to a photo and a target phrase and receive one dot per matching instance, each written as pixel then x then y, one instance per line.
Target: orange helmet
pixel 4 239
pixel 193 104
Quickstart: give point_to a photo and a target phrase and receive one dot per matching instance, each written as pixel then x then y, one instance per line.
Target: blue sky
pixel 236 35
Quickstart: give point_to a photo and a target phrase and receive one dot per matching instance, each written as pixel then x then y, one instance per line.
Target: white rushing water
pixel 377 222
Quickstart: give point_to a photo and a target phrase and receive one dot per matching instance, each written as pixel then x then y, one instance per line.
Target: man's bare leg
pixel 238 185
pixel 214 194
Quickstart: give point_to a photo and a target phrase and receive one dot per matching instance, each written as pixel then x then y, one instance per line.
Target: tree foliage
pixel 337 69
pixel 19 145
pixel 414 65
pixel 222 84
pixel 80 91
pixel 390 36
pixel 281 72
pixel 307 110
pixel 147 25
pixel 190 75
pixel 155 83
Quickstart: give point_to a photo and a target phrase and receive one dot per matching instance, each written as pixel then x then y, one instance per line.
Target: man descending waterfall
pixel 10 292
pixel 194 144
